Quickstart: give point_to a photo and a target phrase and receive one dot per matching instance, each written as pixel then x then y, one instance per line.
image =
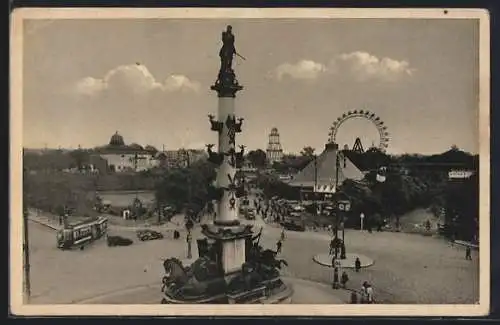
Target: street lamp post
pixel 26 254
pixel 337 167
pixel 342 207
pixel 189 222
pixel 315 183
pixel 189 239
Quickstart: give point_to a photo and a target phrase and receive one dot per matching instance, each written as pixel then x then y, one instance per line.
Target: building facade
pixel 182 157
pixel 128 158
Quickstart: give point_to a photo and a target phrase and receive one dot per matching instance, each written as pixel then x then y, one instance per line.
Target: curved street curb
pixel 43 224
pixel 317 260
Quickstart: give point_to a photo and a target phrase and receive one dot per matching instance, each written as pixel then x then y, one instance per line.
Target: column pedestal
pixel 232 241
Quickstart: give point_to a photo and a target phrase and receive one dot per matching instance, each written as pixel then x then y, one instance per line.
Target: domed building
pixel 116 140
pixel 121 157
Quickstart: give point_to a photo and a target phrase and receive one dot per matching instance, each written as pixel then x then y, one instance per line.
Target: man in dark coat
pixel 278 247
pixel 357 264
pixel 344 278
pixel 336 278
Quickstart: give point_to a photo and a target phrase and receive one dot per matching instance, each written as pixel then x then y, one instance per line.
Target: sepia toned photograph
pixel 226 161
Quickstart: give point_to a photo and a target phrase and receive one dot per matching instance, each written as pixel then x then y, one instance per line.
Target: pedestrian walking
pixel 369 294
pixel 342 251
pixel 282 237
pixel 332 246
pixel 364 293
pixel 354 298
pixel 278 247
pixel 344 279
pixel 468 253
pixel 336 278
pixel 357 264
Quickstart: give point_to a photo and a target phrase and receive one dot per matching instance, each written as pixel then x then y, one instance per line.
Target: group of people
pixel 364 296
pixel 270 210
pixel 343 279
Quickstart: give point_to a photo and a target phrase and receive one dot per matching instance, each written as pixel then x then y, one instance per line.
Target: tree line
pixel 412 181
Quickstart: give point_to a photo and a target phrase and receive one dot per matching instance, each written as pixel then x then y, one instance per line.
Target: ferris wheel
pixel 370 116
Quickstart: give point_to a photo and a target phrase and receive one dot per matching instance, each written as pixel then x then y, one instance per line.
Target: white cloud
pixel 89 86
pixel 359 65
pixel 305 69
pixel 364 66
pixel 136 79
pixel 180 82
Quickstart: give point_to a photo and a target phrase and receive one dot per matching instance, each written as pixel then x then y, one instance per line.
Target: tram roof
pixel 84 221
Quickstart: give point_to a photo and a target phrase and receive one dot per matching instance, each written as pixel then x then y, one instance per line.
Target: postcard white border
pixel 16 117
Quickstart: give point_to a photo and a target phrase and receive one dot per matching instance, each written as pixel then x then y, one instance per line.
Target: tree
pixel 48 160
pixel 307 151
pixel 257 158
pixel 80 158
pixel 272 186
pixel 462 207
pixel 292 163
pixel 52 192
pixel 186 187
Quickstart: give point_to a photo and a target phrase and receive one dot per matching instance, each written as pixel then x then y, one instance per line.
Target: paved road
pixel 407 269
pixel 305 292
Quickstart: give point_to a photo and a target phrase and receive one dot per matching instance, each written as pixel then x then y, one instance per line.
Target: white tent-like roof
pixel 321 174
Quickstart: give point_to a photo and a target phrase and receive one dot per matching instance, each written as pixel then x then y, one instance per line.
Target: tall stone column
pixel 227 210
pixel 226 228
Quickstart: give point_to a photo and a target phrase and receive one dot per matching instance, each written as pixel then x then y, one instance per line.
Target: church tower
pixel 274 151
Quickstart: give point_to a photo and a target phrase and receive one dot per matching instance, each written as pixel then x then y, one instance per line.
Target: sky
pixel 150 81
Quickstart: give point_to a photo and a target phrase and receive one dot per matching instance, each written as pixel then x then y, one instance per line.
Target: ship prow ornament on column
pixel 232 267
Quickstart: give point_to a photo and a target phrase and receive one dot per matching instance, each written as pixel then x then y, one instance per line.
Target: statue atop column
pixel 227 50
pixel 226 83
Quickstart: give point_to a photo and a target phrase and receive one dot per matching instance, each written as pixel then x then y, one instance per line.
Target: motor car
pixel 149 234
pixel 119 241
pixel 293 225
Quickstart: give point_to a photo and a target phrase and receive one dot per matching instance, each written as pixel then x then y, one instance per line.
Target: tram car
pixel 81 233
